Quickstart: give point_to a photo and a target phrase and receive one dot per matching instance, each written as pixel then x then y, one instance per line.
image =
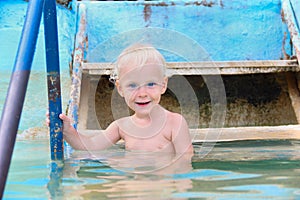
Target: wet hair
pixel 138 55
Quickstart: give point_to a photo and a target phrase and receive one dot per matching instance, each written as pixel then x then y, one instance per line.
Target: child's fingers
pixel 66 120
pixel 67 127
pixel 47 121
pixel 63 117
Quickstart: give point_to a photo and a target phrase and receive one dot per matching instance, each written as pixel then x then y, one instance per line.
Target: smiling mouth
pixel 142 103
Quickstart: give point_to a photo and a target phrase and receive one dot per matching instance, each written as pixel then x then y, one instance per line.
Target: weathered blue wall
pixel 231 30
pixel 226 30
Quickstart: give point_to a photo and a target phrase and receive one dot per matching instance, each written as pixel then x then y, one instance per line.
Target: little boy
pixel 140 79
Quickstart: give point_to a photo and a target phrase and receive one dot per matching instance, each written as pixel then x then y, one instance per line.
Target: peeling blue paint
pixel 227 30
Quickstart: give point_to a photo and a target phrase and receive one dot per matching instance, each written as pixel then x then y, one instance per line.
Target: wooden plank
pixel 209 68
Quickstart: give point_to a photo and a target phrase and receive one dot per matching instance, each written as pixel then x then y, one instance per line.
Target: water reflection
pixel 118 173
pixel 117 184
pixel 55 181
pixel 115 173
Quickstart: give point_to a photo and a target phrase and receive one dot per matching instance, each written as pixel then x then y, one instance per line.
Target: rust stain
pixel 282 16
pixel 54 86
pixel 164 4
pixel 201 3
pixel 147 12
pixel 81 45
pixel 285 55
pixel 286 18
pixel 160 4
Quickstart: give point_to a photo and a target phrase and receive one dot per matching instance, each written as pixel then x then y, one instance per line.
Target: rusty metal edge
pixel 79 54
pixel 289 18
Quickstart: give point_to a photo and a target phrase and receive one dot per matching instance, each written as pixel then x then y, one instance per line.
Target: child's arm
pixel 181 135
pixel 78 141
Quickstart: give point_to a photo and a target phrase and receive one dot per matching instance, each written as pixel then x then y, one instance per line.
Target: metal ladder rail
pixel 19 80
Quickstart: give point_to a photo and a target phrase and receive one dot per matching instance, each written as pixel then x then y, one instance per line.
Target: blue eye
pixel 132 86
pixel 151 84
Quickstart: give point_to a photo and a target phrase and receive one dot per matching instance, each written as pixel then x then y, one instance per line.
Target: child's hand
pixel 67 127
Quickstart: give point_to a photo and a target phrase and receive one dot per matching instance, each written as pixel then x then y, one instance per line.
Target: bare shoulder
pixel 121 121
pixel 121 124
pixel 113 128
pixel 175 118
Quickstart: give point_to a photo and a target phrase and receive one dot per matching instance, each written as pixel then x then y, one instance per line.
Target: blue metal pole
pixel 53 79
pixel 17 88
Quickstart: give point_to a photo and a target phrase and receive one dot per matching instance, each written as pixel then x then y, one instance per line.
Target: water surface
pixel 238 170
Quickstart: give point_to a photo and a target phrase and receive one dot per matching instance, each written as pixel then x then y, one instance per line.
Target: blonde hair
pixel 138 55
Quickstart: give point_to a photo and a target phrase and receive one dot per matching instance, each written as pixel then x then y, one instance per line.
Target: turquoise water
pixel 238 170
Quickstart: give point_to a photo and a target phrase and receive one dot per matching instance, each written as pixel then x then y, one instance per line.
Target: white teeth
pixel 143 102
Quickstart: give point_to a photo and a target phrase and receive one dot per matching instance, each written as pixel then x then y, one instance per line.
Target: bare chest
pixel 153 141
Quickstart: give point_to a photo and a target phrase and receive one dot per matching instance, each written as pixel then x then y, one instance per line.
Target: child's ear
pixel 165 85
pixel 119 88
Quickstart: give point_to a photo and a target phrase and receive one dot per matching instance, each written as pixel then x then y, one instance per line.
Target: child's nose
pixel 142 91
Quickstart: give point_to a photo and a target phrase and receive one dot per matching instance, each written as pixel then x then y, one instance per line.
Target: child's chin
pixel 143 109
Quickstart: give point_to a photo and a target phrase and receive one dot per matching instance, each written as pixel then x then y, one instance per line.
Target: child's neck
pixel 143 120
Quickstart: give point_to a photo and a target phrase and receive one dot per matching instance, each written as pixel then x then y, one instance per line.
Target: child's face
pixel 142 87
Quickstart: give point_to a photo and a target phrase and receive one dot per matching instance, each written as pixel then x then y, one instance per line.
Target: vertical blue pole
pixel 17 88
pixel 53 79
